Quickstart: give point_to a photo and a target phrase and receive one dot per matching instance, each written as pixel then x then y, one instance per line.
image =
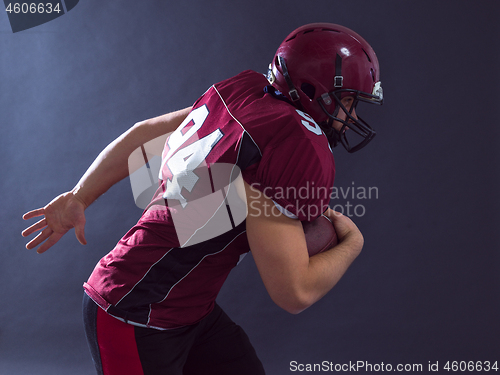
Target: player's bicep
pixel 146 139
pixel 155 131
pixel 279 249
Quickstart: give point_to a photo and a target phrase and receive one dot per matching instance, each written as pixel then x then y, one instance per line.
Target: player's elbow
pixel 294 303
pixel 295 309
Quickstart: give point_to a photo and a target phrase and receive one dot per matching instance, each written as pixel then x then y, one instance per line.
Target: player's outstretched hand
pixel 59 216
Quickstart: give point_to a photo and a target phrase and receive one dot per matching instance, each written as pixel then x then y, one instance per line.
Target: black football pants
pixel 215 345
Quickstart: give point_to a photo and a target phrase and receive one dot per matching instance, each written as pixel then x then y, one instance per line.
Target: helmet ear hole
pixel 308 89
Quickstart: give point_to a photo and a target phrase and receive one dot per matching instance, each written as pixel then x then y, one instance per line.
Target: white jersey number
pixel 309 123
pixel 182 161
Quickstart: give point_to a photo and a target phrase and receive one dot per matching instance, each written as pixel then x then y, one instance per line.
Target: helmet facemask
pixel 361 133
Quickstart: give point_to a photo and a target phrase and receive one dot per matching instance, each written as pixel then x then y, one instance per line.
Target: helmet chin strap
pixel 292 91
pixel 331 133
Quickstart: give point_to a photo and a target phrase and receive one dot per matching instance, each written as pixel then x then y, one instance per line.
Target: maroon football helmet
pixel 319 64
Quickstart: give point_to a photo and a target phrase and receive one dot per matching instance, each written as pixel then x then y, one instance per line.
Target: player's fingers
pixel 332 215
pixel 344 226
pixel 33 228
pixel 34 213
pixel 42 236
pixel 49 243
pixel 80 233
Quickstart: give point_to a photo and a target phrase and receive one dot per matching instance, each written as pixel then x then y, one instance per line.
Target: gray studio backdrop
pixel 425 288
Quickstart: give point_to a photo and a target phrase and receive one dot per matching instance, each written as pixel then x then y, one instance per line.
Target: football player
pixel 243 167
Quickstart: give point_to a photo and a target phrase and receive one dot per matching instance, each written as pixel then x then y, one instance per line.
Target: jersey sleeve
pixel 298 175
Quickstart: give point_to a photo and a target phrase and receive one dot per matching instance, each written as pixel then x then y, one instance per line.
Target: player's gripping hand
pixel 63 213
pixel 347 231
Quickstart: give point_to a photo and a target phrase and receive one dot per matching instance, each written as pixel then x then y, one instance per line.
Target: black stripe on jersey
pixel 166 273
pixel 249 152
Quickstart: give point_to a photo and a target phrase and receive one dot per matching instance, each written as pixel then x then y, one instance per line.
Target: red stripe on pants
pixel 117 346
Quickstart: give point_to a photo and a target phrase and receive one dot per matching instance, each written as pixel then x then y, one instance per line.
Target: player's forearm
pixel 309 282
pixel 294 280
pixel 107 169
pixel 327 268
pixel 112 164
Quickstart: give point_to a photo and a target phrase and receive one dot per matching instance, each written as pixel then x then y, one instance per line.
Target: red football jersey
pixel 167 270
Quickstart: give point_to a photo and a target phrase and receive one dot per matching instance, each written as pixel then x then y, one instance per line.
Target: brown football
pixel 320 235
